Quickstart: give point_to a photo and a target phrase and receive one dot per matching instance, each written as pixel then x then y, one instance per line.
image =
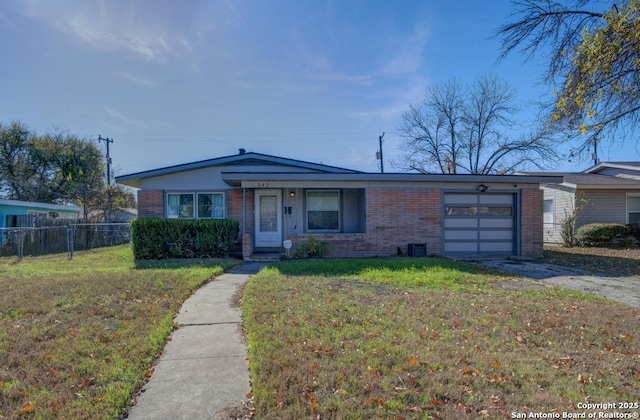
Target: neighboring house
pixel 608 192
pixel 357 213
pixel 117 216
pixel 15 213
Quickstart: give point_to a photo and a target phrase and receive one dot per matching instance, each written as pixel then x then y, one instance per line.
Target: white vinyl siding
pixel 563 204
pixel 605 206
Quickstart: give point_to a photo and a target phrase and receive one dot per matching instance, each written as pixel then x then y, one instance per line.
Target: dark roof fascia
pixel 225 160
pixel 235 179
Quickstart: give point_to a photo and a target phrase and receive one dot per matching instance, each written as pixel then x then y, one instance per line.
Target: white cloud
pixel 137 80
pixel 121 116
pixel 113 26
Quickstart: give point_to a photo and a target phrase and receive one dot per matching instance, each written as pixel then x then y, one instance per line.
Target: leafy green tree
pixel 593 54
pixel 56 167
pixel 16 169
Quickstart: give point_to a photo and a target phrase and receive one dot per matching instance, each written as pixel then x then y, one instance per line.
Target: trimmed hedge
pixel 156 238
pixel 601 234
pixel 634 230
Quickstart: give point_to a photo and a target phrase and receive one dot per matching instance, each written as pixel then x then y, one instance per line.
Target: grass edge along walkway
pixel 78 337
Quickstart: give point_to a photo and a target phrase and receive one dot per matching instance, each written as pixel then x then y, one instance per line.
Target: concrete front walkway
pixel 622 289
pixel 203 369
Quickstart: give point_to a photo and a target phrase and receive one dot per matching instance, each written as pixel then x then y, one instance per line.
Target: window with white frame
pixel 548 211
pixel 323 210
pixel 210 206
pixel 195 205
pixel 633 208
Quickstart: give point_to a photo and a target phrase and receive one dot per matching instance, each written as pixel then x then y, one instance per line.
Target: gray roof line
pixel 633 165
pixel 231 159
pixel 590 180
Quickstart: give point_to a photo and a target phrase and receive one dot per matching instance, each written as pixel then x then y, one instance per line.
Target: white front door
pixel 268 227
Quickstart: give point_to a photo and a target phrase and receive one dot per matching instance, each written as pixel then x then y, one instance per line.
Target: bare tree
pixel 432 139
pixel 593 52
pixel 458 129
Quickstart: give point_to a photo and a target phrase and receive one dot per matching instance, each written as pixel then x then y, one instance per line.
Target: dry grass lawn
pixel 429 338
pixel 78 337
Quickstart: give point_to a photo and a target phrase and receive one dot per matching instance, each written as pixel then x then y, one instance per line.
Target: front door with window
pixel 268 228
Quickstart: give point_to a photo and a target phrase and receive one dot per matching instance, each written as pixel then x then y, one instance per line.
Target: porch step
pixel 265 257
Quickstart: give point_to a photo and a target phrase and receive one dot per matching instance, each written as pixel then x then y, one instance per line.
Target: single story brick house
pixel 608 192
pixel 358 213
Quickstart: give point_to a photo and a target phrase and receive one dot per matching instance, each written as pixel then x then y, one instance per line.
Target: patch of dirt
pixel 518 285
pixel 612 261
pixel 629 253
pixel 242 411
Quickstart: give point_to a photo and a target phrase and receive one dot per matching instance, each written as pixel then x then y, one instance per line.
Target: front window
pixel 633 209
pixel 180 206
pixel 183 205
pixel 210 206
pixel 323 211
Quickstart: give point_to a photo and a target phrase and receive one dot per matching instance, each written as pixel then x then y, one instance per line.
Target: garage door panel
pixel 479 223
pixel 460 235
pixel 496 223
pixel 497 199
pixel 460 199
pixel 500 235
pixel 460 223
pixel 457 247
pixel 502 247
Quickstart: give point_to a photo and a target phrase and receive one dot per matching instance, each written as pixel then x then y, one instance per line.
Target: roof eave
pixel 235 179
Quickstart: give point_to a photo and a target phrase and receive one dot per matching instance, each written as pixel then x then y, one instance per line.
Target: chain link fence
pixel 19 242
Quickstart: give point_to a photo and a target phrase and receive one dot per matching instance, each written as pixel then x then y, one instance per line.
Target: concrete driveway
pixel 622 289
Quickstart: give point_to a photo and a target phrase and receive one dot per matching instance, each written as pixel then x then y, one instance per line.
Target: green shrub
pixel 312 248
pixel 155 238
pixel 634 230
pixel 601 234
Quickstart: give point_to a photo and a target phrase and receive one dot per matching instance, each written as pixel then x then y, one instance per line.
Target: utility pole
pixel 380 153
pixel 107 141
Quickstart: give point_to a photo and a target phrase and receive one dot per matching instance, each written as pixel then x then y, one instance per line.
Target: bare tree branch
pixel 460 129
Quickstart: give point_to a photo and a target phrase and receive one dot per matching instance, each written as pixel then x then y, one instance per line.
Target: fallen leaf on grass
pixel 28 407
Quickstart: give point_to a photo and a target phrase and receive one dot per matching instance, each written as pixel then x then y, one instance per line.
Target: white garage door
pixel 479 224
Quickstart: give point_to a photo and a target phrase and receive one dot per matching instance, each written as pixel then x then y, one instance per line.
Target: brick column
pixel 531 228
pixel 150 203
pixel 247 246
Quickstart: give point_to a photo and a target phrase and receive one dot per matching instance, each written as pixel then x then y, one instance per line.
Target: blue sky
pixel 179 81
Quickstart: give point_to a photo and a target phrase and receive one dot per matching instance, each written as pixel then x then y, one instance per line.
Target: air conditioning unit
pixel 417 250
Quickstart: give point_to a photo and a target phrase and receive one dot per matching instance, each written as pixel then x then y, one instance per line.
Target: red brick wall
pixel 150 203
pixel 395 217
pixel 234 206
pixel 399 216
pixel 531 232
